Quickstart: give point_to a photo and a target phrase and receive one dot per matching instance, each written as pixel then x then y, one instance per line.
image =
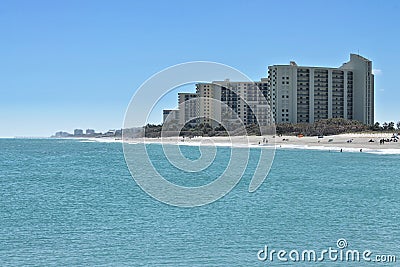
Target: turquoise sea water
pixel 72 203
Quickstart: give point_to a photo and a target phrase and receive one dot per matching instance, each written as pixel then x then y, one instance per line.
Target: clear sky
pixel 76 64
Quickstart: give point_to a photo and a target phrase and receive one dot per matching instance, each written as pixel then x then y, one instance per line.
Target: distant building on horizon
pixel 62 134
pixel 78 132
pixel 90 132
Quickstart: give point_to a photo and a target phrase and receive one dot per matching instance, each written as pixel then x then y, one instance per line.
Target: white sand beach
pixel 355 142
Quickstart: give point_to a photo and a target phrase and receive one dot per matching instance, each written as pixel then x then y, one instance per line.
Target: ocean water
pixel 73 203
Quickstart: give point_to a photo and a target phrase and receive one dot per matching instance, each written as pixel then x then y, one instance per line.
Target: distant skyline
pixel 74 64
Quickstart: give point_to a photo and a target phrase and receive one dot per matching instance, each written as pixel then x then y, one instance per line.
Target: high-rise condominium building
pixel 207 111
pixel 306 94
pixel 240 102
pixel 290 94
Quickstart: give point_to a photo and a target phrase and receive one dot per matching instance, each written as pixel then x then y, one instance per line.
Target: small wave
pixel 339 149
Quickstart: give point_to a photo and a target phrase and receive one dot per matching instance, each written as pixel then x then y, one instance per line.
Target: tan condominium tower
pixel 234 102
pixel 302 94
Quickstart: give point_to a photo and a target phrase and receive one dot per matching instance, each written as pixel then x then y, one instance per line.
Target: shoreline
pixel 355 142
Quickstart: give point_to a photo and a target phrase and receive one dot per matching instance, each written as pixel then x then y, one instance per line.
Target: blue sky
pixel 76 64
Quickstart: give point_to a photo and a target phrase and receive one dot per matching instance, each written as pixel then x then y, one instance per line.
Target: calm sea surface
pixel 73 203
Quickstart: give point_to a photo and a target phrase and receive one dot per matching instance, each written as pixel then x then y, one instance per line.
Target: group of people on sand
pixel 387 140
